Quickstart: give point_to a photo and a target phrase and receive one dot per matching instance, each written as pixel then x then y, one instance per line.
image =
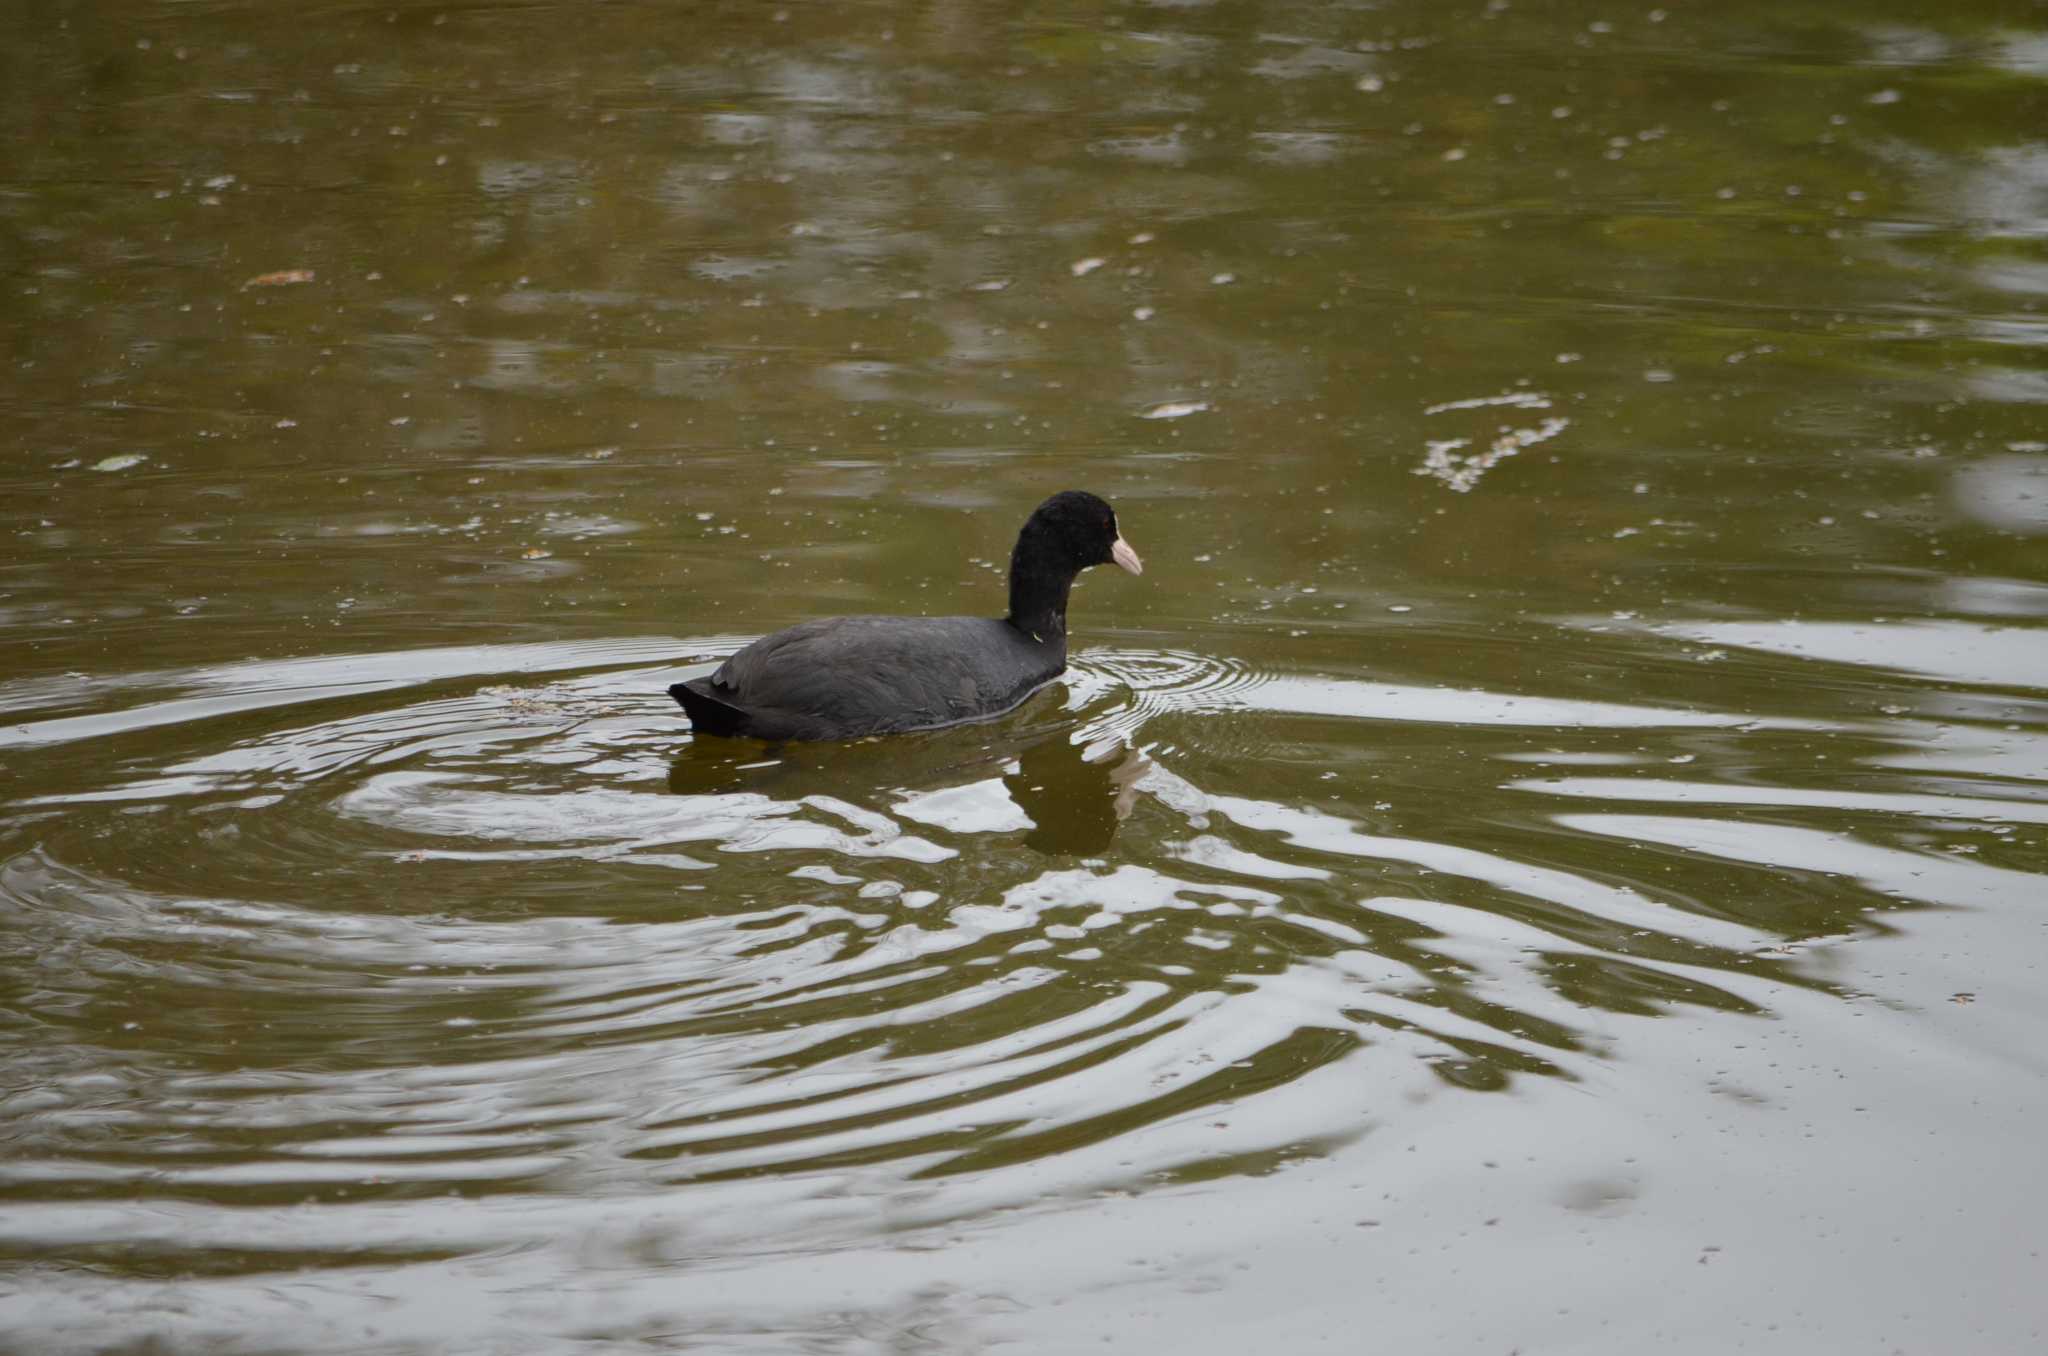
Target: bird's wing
pixel 898 671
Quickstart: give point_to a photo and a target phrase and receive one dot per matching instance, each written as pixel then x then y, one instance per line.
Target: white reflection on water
pixel 2009 492
pixel 1956 651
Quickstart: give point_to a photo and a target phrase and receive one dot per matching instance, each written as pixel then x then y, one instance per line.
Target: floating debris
pixel 1081 268
pixel 1521 400
pixel 282 278
pixel 1460 472
pixel 554 701
pixel 1175 409
pixel 120 463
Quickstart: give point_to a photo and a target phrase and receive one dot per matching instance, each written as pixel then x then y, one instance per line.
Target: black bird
pixel 845 677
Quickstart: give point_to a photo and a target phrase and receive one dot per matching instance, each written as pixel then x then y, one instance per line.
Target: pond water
pixel 1552 855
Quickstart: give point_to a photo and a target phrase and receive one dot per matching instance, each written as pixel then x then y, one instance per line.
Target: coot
pixel 845 677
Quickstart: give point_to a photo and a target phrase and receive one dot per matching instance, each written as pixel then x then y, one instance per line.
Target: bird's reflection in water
pixel 706 766
pixel 1075 795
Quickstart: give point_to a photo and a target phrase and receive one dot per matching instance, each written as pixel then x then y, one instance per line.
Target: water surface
pixel 1549 857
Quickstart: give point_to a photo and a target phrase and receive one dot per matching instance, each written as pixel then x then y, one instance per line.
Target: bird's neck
pixel 1039 587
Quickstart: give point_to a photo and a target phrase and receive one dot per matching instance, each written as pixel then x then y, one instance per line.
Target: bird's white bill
pixel 1123 555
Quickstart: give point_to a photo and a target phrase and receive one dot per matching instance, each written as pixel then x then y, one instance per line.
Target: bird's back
pixel 845 677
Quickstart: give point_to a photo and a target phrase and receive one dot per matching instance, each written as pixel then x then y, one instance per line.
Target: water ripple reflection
pixel 557 944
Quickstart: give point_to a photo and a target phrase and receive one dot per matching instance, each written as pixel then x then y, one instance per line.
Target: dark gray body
pixel 846 677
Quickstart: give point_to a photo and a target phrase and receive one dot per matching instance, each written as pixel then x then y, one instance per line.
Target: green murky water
pixel 1551 856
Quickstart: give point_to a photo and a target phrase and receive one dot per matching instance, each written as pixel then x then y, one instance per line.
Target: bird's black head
pixel 1079 529
pixel 1064 536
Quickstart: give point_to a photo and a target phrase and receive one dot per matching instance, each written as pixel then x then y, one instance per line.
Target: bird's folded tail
pixel 708 714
